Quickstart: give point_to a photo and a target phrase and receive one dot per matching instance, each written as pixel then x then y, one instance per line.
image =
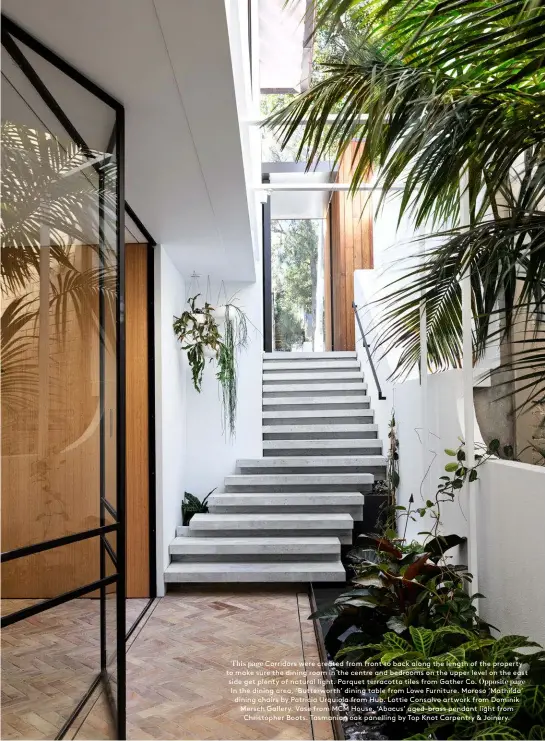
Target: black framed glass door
pixel 63 393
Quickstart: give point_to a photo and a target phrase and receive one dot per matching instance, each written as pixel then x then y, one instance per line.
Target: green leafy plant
pixel 430 90
pixel 494 690
pixel 192 505
pixel 396 586
pixel 196 330
pixel 235 337
pixel 449 485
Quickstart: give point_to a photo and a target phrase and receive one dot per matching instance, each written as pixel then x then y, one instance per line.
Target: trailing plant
pixel 459 472
pixel 197 329
pixel 494 691
pixel 235 337
pixel 191 505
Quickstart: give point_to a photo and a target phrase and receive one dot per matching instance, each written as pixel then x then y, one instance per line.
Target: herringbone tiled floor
pixel 177 664
pixel 49 662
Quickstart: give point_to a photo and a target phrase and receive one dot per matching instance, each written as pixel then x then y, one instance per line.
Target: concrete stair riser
pixel 295 357
pixel 313 464
pixel 310 366
pixel 344 447
pixel 282 572
pixel 273 390
pixel 312 378
pixel 293 497
pixel 344 536
pixel 355 512
pixel 255 558
pixel 319 432
pixel 273 548
pixel 300 483
pixel 315 404
pixel 283 417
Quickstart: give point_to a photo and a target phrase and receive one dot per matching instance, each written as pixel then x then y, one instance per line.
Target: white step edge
pixel 288 356
pixel 340 442
pixel 246 546
pixel 272 388
pixel 282 571
pixel 317 497
pixel 323 461
pixel 323 400
pixel 333 428
pixel 271 377
pixel 310 413
pixel 299 479
pixel 309 366
pixel 285 521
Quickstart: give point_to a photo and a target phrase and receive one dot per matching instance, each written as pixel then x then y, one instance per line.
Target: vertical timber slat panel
pixel 351 225
pixel 137 421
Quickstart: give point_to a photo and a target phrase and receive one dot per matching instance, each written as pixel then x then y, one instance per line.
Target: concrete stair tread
pixel 194 541
pixel 346 496
pixel 322 461
pixel 296 429
pixel 323 400
pixel 193 545
pixel 345 442
pixel 277 388
pixel 273 377
pixel 281 571
pixel 205 519
pixel 309 365
pixel 300 478
pixel 321 413
pixel 295 356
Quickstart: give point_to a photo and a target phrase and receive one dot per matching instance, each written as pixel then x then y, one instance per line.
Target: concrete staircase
pixel 283 517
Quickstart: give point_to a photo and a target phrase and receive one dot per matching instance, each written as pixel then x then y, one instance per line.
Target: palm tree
pixel 447 87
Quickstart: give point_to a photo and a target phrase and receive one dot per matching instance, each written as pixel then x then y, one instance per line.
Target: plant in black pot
pixel 192 505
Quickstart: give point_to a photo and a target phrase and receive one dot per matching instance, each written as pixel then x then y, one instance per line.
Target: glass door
pixel 62 384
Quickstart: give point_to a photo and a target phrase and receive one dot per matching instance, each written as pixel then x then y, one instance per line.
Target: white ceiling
pixel 169 63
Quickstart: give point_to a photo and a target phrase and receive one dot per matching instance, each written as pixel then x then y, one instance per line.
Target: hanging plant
pixel 198 332
pixel 234 338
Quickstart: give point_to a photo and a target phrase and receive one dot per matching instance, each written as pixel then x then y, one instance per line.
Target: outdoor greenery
pixel 448 88
pixel 294 273
pixel 410 609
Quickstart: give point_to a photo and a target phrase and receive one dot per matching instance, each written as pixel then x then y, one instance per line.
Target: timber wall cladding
pixel 351 228
pixel 51 442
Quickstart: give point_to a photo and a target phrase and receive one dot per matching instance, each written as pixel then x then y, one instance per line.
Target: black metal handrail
pixel 368 351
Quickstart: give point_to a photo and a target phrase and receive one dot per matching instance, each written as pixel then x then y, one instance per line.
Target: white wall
pixel 422 446
pixel 171 404
pixel 511 517
pixel 510 499
pixel 210 455
pixel 391 246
